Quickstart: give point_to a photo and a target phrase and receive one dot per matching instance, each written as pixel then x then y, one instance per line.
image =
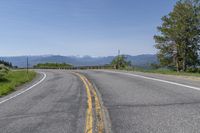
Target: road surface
pixel 118 102
pixel 56 105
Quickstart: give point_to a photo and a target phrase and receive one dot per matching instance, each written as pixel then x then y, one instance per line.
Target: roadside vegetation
pixel 5 63
pixel 10 79
pixel 14 79
pixel 3 71
pixel 121 62
pixel 166 72
pixel 53 66
pixel 178 43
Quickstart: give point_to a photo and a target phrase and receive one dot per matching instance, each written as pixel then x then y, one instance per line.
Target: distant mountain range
pixel 20 61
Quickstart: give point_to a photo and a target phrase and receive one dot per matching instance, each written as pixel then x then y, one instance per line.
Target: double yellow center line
pixel 91 114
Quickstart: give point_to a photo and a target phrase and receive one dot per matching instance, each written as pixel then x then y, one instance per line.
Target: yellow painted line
pixel 89 114
pixel 90 90
pixel 98 109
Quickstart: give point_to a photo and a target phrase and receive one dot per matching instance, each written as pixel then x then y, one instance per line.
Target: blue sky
pixel 80 27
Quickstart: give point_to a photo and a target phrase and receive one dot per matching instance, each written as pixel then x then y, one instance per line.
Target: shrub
pixel 3 71
pixel 193 70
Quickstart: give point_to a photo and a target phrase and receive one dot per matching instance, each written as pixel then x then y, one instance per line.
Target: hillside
pixel 20 61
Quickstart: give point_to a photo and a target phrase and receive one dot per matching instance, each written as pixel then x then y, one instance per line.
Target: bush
pixel 193 70
pixel 3 71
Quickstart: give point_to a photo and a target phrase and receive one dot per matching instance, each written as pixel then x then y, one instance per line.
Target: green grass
pixel 169 72
pixel 14 79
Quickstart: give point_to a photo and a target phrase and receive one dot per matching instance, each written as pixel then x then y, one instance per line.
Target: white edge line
pixel 44 76
pixel 155 79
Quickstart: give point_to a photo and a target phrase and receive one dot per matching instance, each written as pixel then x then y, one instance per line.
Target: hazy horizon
pixel 72 55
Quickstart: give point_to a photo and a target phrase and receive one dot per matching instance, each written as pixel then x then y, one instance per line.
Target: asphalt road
pixel 135 104
pixel 57 105
pixel 138 105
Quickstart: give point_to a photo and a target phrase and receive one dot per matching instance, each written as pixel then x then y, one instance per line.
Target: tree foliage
pixel 120 62
pixel 3 71
pixel 53 66
pixel 178 43
pixel 8 64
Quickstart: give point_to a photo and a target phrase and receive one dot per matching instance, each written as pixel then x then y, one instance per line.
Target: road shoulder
pixel 23 87
pixel 171 78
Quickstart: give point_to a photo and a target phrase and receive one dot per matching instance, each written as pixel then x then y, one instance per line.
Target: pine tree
pixel 178 43
pixel 120 62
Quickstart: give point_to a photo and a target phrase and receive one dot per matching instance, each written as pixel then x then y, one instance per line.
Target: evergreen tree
pixel 120 62
pixel 8 64
pixel 3 71
pixel 178 43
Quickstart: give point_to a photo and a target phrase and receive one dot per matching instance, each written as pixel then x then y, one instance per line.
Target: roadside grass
pixel 168 72
pixel 13 79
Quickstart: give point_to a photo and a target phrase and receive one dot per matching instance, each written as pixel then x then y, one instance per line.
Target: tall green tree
pixel 178 43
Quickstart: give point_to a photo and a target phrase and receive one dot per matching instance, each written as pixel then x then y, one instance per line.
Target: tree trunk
pixel 184 65
pixel 184 59
pixel 177 65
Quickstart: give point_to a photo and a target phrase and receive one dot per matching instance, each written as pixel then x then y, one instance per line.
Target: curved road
pixel 57 105
pixel 135 103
